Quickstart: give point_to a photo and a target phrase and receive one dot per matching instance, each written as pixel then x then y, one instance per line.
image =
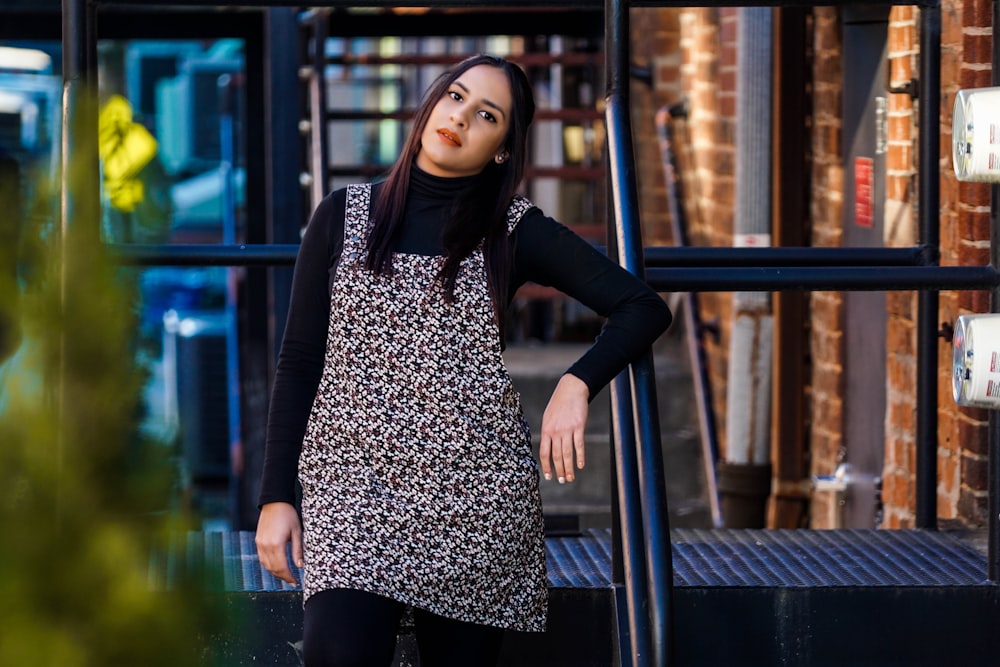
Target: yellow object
pixel 125 148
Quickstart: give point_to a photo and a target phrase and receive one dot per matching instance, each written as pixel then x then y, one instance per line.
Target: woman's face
pixel 467 126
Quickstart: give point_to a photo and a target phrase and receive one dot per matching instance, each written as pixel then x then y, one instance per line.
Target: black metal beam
pixel 993 460
pixel 692 256
pixel 488 4
pixel 854 278
pixel 541 20
pixel 689 277
pixel 928 194
pixel 278 254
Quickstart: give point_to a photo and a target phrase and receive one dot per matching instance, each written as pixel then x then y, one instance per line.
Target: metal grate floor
pixel 702 558
pixel 824 558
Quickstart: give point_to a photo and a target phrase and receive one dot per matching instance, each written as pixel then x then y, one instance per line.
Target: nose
pixel 457 116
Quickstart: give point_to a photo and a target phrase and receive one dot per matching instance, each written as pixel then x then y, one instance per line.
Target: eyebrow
pixel 487 102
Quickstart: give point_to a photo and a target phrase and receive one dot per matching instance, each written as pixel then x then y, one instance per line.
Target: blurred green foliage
pixel 85 498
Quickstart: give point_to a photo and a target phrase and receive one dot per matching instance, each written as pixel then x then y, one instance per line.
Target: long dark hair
pixel 481 213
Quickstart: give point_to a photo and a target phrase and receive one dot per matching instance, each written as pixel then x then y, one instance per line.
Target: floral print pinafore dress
pixel 419 482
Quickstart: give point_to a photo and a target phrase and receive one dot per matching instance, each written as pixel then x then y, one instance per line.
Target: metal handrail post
pixel 79 193
pixel 653 489
pixel 650 453
pixel 631 516
pixel 993 462
pixel 629 240
pixel 616 49
pixel 930 234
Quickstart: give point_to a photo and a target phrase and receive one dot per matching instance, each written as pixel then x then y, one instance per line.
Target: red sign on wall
pixel 864 191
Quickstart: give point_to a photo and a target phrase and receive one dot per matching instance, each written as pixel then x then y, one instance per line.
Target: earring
pixel 500 158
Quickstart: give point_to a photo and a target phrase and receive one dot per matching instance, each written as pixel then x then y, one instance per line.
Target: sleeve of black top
pixel 548 253
pixel 303 349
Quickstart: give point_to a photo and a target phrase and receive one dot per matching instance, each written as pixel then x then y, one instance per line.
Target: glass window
pixel 172 139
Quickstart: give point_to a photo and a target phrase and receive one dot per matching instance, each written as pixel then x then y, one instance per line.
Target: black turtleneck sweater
pixel 545 252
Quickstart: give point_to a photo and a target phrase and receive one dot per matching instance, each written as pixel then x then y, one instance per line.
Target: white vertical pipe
pixel 749 387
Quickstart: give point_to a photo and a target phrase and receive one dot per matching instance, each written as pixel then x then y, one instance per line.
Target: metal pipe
pixel 824 278
pixel 993 462
pixel 493 4
pixel 79 197
pixel 319 138
pixel 655 256
pixel 707 279
pixel 625 200
pixel 930 234
pixel 631 515
pixel 621 162
pixel 181 254
pixel 540 59
pixel 655 515
pixel 751 344
pixel 636 568
pixel 700 256
pixel 692 321
pixel 80 185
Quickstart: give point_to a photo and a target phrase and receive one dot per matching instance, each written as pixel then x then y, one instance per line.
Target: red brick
pixel 951 28
pixel 951 66
pixel 975 472
pixel 976 48
pixel 973 436
pixel 974 302
pixel 829 413
pixel 900 375
pixel 972 506
pixel 947 429
pixel 948 473
pixel 980 302
pixel 903 416
pixel 901 337
pixel 901 304
pixel 972 255
pixel 974 194
pixel 828 384
pixel 896 491
pixel 949 188
pixel 977 13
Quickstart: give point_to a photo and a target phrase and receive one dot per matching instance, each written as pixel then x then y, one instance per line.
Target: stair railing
pixel 635 410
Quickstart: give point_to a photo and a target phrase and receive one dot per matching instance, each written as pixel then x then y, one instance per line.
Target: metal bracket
pixel 911 88
pixel 845 482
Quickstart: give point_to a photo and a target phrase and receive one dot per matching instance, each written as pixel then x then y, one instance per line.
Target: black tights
pixel 347 628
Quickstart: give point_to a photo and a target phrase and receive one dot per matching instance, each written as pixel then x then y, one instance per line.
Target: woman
pixel 392 402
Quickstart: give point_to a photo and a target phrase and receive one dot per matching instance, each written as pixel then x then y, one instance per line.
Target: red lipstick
pixel 448 135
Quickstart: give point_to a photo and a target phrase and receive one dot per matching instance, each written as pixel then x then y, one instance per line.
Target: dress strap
pixel 356 215
pixel 518 207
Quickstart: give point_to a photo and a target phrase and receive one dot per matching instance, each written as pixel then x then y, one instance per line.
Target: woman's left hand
pixel 563 425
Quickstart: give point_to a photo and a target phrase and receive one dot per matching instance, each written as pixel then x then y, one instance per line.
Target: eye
pixel 488 116
pixel 455 95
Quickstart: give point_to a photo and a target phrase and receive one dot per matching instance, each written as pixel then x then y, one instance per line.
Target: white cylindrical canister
pixel 976 361
pixel 975 134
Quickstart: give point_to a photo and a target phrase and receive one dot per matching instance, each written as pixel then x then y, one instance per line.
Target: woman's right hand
pixel 279 523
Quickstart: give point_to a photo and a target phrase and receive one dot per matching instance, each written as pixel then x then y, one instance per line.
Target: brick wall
pixel 962 436
pixel 899 475
pixel 692 55
pixel 826 207
pixel 708 79
pixel 962 432
pixel 655 47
